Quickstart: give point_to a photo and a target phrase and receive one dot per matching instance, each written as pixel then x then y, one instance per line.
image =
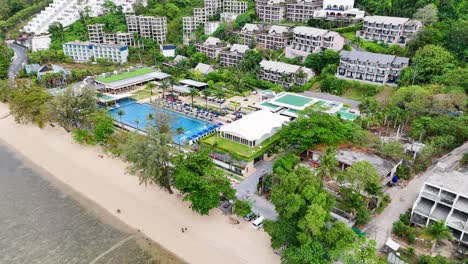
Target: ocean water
pixel 41 222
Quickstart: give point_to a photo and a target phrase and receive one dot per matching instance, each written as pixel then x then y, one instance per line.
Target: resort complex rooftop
pixel 290 104
pixel 125 75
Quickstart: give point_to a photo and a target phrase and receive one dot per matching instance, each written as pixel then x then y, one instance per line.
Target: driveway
pixel 248 187
pixel 380 228
pixel 19 59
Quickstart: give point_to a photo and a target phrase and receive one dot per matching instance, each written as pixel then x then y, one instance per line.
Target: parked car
pixel 258 223
pixel 250 216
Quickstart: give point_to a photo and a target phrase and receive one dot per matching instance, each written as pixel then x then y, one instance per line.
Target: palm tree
pixel 150 87
pixel 137 122
pixel 150 117
pixel 164 85
pixel 220 95
pixel 206 92
pixel 180 131
pixel 172 82
pixel 121 113
pixel 328 164
pixel 193 92
pixel 438 231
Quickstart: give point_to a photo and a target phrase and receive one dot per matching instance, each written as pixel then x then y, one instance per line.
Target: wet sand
pixel 160 216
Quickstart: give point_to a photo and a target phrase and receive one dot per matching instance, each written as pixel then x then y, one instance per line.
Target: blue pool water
pixel 135 111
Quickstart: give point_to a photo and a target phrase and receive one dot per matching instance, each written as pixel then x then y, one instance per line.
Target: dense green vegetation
pixel 14 13
pixel 6 55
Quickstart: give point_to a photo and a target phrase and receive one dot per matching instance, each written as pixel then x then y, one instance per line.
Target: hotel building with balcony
pixel 248 32
pixel 232 57
pixel 284 74
pixel 189 26
pixel 302 10
pixel 277 37
pixel 444 196
pixel 212 7
pixel 371 67
pixel 389 30
pixel 212 47
pixel 272 11
pixel 307 40
pixel 338 9
pixel 123 38
pixel 87 51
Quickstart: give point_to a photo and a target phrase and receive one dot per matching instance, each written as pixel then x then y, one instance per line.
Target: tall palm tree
pixel 150 87
pixel 193 92
pixel 121 113
pixel 164 85
pixel 206 92
pixel 438 231
pixel 180 131
pixel 172 82
pixel 328 164
pixel 220 95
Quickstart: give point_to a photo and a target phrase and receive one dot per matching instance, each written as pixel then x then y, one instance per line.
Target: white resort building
pixel 211 47
pixel 307 40
pixel 87 51
pixel 148 26
pixel 254 128
pixel 67 12
pixel 389 30
pixel 444 196
pixel 284 74
pixel 232 57
pixel 302 10
pixel 339 9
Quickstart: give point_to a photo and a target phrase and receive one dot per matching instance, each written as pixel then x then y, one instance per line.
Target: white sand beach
pixel 159 215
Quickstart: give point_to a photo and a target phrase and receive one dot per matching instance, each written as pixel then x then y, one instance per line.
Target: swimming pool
pixel 135 111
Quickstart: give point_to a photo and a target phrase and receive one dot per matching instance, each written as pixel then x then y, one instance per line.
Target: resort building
pixel 389 30
pixel 129 80
pixel 289 104
pixel 371 67
pixel 87 51
pixel 234 6
pixel 41 42
pixel 307 40
pixel 254 128
pixel 302 10
pixel 338 9
pixel 284 74
pixel 211 47
pixel 232 57
pixel 194 84
pixel 96 33
pixel 444 196
pixel 212 7
pixel 247 34
pixel 228 17
pixel 168 50
pixel 189 26
pixel 277 37
pixel 204 68
pixel 148 26
pixel 67 12
pixel 271 11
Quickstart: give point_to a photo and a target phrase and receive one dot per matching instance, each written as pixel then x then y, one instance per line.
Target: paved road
pixel 247 189
pixel 19 59
pixel 380 227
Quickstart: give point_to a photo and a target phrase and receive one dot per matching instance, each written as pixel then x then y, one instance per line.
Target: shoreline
pixel 159 215
pixel 146 244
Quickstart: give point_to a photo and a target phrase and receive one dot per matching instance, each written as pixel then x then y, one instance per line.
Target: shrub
pixel 241 208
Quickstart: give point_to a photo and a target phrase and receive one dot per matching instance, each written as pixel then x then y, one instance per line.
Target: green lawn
pixel 239 149
pixel 125 75
pixel 349 35
pixel 142 94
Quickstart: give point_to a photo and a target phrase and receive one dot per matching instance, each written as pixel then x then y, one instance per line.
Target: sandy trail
pixel 160 216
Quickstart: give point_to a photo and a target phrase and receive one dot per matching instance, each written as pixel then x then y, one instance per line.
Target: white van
pixel 258 223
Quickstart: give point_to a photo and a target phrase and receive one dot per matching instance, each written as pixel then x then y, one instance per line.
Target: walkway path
pixel 247 189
